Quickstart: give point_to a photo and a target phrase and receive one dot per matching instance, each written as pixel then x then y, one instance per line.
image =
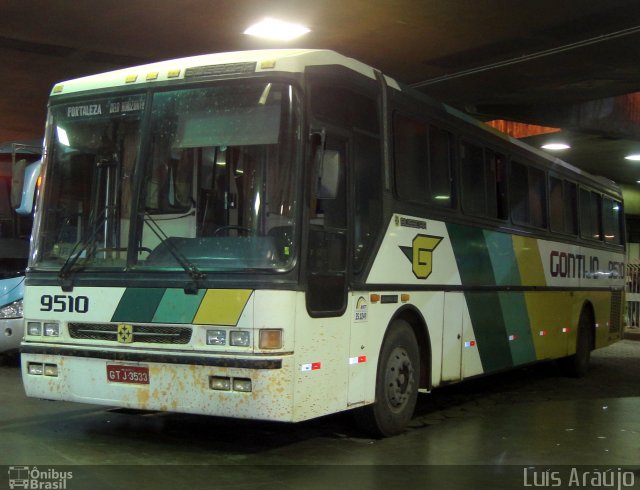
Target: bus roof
pixel 239 62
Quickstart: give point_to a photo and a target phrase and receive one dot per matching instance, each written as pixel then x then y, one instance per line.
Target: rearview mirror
pixel 328 174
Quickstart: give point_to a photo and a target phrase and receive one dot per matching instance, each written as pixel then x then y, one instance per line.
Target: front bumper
pixel 177 382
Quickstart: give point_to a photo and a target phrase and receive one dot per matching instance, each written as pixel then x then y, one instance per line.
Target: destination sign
pixel 103 108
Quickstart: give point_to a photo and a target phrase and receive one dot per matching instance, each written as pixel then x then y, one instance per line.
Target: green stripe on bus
pixel 518 327
pixel 138 305
pixel 512 304
pixel 503 258
pixel 470 249
pixel 485 311
pixel 476 268
pixel 178 307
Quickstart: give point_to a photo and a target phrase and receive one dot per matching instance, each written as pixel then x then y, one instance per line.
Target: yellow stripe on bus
pixel 552 322
pixel 222 306
pixel 529 263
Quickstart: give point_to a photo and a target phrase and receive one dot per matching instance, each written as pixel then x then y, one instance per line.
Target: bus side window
pixel 423 156
pixel 440 175
pixel 611 211
pixel 411 158
pixel 556 204
pixel 482 177
pixel 570 196
pixel 537 197
pixel 590 215
pixel 528 195
pixel 562 206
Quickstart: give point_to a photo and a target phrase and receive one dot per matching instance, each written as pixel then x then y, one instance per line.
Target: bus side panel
pixel 321 363
pixel 523 296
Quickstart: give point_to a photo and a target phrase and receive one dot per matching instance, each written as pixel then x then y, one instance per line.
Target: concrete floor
pixel 503 431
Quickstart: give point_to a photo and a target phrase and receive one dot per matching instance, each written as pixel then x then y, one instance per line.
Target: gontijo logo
pixel 421 254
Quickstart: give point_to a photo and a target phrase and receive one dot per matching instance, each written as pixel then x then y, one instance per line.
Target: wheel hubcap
pixel 399 378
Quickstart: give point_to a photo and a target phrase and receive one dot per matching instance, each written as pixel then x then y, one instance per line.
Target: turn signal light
pixel 270 338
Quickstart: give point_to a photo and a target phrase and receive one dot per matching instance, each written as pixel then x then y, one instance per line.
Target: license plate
pixel 117 373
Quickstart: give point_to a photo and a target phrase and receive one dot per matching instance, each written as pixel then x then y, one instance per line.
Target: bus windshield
pixel 196 179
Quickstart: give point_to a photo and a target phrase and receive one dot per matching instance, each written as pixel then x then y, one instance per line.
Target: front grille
pixel 150 334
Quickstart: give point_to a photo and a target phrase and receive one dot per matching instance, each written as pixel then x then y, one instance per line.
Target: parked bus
pixel 19 171
pixel 286 234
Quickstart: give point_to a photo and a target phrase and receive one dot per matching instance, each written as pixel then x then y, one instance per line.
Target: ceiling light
pixel 633 157
pixel 276 29
pixel 556 146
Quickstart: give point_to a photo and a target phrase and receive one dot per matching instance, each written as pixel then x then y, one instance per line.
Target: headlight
pixel 34 328
pixel 240 338
pixel 216 337
pixel 12 310
pixel 51 329
pixel 35 368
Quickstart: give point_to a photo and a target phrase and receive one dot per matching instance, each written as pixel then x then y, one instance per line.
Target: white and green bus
pixel 286 234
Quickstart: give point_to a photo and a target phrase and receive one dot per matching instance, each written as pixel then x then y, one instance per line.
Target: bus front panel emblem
pixel 125 334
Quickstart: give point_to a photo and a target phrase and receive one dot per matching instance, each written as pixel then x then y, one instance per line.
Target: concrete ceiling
pixel 569 64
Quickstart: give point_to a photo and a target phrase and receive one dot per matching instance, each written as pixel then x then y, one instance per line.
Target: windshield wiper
pixel 196 274
pixel 65 271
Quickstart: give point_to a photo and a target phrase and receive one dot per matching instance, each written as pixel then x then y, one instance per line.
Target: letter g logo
pixel 422 248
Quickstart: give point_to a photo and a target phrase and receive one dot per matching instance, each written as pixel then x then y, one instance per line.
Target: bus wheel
pixel 397 382
pixel 577 365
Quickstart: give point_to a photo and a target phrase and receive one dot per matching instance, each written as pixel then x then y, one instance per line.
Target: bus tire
pixel 577 365
pixel 397 380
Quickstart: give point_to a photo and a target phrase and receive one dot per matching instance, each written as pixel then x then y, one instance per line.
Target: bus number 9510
pixel 60 303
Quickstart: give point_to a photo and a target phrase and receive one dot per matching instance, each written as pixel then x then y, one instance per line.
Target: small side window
pixel 423 156
pixel 411 158
pixel 528 195
pixel 563 201
pixel 611 213
pixel 590 216
pixel 473 180
pixel 482 180
pixel 440 151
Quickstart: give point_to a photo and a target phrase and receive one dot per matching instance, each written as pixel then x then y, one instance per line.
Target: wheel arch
pixel 416 321
pixel 587 308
